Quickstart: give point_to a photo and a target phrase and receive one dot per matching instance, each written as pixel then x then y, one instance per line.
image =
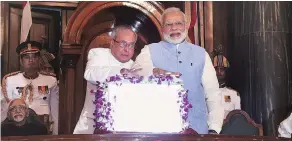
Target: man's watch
pixel 212 132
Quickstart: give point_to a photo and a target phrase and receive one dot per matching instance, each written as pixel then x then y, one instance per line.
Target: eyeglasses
pixel 124 44
pixel 178 24
pixel 17 107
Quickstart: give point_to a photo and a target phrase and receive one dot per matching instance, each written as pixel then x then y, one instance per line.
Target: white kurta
pixel 285 128
pixel 230 100
pixel 45 101
pixel 101 64
pixel 209 82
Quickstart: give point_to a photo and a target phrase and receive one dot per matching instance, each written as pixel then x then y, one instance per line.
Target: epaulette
pixel 48 73
pixel 4 88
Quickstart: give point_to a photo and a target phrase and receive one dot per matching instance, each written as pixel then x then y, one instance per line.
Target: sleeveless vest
pixel 189 60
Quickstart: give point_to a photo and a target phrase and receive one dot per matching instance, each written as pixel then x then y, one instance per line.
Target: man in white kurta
pixel 230 98
pixel 102 63
pixel 285 128
pixel 39 89
pixel 177 56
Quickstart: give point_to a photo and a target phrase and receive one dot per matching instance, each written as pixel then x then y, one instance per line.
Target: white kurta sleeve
pixel 285 128
pixel 54 107
pixel 98 67
pixel 213 98
pixel 85 122
pixel 144 61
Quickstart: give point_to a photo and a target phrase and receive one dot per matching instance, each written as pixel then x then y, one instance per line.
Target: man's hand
pixel 158 72
pixel 130 72
pixel 189 131
pixel 213 132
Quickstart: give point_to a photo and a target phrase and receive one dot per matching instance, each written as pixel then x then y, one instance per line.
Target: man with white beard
pixel 20 122
pixel 174 55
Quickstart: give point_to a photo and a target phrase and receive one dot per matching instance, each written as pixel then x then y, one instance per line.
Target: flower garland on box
pixel 103 118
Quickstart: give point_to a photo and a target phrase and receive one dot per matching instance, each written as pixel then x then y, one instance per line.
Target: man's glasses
pixel 17 107
pixel 177 24
pixel 124 44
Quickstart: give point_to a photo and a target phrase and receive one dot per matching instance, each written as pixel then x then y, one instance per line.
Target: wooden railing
pixel 143 137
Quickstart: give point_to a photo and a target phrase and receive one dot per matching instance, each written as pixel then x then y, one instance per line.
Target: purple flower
pixel 159 81
pixel 169 78
pixel 99 102
pixel 190 106
pixel 118 78
pixel 98 106
pixel 98 124
pixel 109 104
pixel 92 91
pixel 150 78
pixel 112 78
pixel 185 116
pixel 98 115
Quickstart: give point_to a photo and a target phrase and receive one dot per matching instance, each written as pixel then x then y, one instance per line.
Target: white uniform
pixel 230 100
pixel 285 128
pixel 45 95
pixel 101 64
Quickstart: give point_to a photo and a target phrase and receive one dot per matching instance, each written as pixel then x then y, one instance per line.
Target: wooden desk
pixel 143 137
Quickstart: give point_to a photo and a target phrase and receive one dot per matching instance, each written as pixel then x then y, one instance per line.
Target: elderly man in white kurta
pixel 39 89
pixel 102 63
pixel 285 128
pixel 177 56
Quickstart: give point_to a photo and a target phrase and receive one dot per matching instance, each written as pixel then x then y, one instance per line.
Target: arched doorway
pixel 88 28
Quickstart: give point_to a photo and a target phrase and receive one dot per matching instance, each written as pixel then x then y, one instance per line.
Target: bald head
pixel 17 102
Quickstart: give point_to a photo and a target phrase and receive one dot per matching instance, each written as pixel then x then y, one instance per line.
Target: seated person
pixel 285 128
pixel 19 122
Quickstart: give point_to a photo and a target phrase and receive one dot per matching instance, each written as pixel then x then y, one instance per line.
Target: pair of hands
pixel 156 72
pixel 160 72
pixel 130 72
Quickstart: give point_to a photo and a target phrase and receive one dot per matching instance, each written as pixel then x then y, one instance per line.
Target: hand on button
pixel 130 72
pixel 160 72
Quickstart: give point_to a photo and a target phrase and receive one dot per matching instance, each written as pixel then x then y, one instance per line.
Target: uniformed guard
pixel 230 97
pixel 39 89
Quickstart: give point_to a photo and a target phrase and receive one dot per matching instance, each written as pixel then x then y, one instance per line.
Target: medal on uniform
pixel 43 90
pixel 227 98
pixel 19 90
